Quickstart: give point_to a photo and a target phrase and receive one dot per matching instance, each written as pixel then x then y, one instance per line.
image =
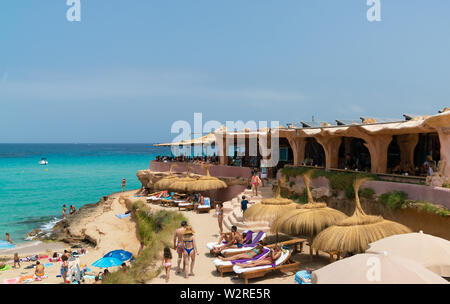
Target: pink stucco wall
pixel 214 170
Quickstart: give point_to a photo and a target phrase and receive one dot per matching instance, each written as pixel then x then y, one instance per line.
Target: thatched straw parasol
pixel 182 184
pixel 269 208
pixel 308 219
pixel 355 233
pixel 206 183
pixel 165 182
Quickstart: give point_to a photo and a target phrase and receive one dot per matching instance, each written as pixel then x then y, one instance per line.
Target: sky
pixel 129 69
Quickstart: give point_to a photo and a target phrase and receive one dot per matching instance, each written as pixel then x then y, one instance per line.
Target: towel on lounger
pixel 123 215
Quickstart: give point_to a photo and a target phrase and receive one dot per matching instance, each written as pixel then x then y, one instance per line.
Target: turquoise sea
pixel 32 195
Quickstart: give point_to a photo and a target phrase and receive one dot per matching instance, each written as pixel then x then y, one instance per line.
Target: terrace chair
pixel 283 263
pixel 260 236
pixel 227 266
pixel 165 200
pixel 206 207
pixel 154 198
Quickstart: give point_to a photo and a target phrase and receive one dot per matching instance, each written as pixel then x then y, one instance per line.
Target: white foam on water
pixel 46 227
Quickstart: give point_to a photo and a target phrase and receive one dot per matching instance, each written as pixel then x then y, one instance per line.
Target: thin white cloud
pixel 134 85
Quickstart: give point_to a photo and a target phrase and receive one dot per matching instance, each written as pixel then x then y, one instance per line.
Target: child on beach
pixel 167 261
pixel 16 260
pixel 64 267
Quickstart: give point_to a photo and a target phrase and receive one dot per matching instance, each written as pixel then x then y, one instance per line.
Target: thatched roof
pixel 207 182
pixel 165 182
pixel 355 233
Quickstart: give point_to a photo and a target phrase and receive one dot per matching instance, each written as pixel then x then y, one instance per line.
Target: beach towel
pixel 123 215
pixel 12 281
pixel 5 267
pixel 48 265
pixel 206 205
pixel 303 274
pixel 219 262
pixel 89 277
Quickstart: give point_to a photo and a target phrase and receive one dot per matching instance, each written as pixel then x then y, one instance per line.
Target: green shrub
pixel 367 193
pixel 291 184
pixel 429 207
pixel 393 200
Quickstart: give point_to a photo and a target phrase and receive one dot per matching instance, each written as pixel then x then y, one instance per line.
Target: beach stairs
pixel 233 214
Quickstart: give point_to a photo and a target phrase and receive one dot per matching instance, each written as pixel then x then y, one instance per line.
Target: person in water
pixel 8 238
pixel 167 261
pixel 124 182
pixel 189 251
pixel 269 259
pixel 246 255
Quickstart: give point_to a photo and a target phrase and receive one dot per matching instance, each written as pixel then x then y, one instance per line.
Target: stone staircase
pixel 233 214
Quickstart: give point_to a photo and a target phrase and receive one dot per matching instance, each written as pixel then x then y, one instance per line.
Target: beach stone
pixel 320 192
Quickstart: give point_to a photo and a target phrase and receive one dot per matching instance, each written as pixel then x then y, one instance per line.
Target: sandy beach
pixel 113 233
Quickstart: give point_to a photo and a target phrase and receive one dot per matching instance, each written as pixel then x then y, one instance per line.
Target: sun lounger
pixel 260 236
pixel 186 206
pixel 163 200
pixel 206 207
pixel 153 198
pixel 283 263
pixel 248 238
pixel 227 266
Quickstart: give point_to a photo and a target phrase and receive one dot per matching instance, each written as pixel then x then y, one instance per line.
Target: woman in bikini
pixel 246 255
pixel 167 261
pixel 219 212
pixel 189 250
pixel 256 181
pixel 269 259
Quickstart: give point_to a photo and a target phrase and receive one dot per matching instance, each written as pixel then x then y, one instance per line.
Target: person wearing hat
pixel 189 250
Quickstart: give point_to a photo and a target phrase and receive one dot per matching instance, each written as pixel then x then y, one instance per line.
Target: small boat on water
pixel 43 161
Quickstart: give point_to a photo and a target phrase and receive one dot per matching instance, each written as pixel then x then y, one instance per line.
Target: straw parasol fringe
pixel 206 183
pixel 356 232
pixel 182 184
pixel 165 182
pixel 270 208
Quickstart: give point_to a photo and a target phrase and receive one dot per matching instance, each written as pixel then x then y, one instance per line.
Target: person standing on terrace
pixel 256 181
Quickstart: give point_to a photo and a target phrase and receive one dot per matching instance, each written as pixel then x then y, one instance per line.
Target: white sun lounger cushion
pixel 279 261
pixel 219 262
pixel 184 204
pixel 243 249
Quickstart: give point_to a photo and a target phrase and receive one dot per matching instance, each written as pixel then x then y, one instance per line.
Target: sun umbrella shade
pixel 107 262
pixel 206 183
pixel 355 233
pixel 308 219
pixel 181 183
pixel 6 245
pixel 165 182
pixel 430 251
pixel 375 269
pixel 270 208
pixel 121 255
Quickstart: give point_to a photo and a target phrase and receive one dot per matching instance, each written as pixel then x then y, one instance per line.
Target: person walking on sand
pixel 64 267
pixel 189 251
pixel 219 212
pixel 244 204
pixel 178 244
pixel 167 261
pixel 124 182
pixel 16 260
pixel 64 211
pixel 8 238
pixel 256 181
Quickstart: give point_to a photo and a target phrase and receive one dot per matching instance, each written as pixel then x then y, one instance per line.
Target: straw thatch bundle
pixel 308 219
pixel 182 184
pixel 206 183
pixel 354 234
pixel 270 208
pixel 165 182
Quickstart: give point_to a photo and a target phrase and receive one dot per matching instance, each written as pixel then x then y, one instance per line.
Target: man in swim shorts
pixel 178 244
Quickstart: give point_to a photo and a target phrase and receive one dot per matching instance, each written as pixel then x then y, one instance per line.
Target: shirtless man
pixel 246 255
pixel 269 259
pixel 233 239
pixel 39 270
pixel 178 244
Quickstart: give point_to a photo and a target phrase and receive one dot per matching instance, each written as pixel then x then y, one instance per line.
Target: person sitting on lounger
pixel 269 259
pixel 246 255
pixel 233 240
